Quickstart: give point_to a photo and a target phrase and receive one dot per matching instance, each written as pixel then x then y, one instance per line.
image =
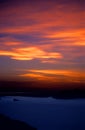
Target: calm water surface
pixel 46 113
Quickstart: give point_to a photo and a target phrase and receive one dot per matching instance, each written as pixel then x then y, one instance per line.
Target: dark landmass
pixel 38 89
pixel 7 123
pixel 15 100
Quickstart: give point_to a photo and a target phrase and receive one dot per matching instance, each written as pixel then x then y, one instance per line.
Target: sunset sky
pixel 42 40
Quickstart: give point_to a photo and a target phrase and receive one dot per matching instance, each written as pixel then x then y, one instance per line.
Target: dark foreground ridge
pixel 37 89
pixel 7 123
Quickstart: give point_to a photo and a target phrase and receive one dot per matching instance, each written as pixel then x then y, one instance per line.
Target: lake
pixel 45 113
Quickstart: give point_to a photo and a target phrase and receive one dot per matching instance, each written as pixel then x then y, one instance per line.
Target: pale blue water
pixel 46 113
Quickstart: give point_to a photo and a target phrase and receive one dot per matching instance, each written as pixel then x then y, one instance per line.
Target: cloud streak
pixel 30 53
pixel 56 75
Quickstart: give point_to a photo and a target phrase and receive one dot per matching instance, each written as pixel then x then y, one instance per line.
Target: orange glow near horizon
pixel 56 75
pixel 39 77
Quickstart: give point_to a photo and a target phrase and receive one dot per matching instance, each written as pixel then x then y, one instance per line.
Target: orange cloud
pixel 74 37
pixel 32 75
pixel 59 72
pixel 9 42
pixel 30 53
pixel 49 61
pixel 40 77
pixel 56 75
pixel 12 43
pixel 55 72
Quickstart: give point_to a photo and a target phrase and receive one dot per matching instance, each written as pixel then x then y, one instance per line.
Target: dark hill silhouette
pixel 7 123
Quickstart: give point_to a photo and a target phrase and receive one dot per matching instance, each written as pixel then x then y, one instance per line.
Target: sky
pixel 42 40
